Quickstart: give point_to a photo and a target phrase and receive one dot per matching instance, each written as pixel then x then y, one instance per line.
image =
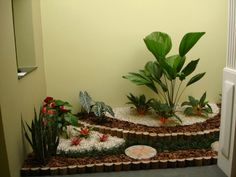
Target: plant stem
pixel 168 91
pixel 181 94
pixel 177 92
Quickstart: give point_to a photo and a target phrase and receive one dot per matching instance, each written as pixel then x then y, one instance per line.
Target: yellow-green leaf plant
pixel 167 74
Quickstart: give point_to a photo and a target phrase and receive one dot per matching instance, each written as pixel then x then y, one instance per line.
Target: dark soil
pixel 209 124
pixel 59 161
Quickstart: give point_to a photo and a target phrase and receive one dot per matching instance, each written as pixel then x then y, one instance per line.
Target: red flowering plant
pixel 75 141
pixel 58 111
pixel 103 138
pixel 84 132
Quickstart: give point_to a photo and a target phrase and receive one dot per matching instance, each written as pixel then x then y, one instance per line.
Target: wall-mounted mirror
pixel 24 36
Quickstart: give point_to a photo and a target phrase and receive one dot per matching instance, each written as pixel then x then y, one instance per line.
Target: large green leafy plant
pixel 166 75
pixel 43 136
pixel 99 108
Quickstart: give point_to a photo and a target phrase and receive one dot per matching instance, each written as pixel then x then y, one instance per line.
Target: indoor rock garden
pixel 148 133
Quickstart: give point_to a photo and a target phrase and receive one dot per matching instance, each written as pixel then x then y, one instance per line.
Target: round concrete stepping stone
pixel 215 146
pixel 140 152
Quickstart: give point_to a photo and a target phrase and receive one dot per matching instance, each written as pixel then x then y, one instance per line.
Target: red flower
pixel 51 111
pixel 62 108
pixel 75 141
pixel 52 105
pixel 84 131
pixel 103 138
pixel 48 99
pixel 44 110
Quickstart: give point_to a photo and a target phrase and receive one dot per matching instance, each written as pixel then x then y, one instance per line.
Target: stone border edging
pixel 119 166
pixel 126 134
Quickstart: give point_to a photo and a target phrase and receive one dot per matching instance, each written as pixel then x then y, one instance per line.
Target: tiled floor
pixel 206 171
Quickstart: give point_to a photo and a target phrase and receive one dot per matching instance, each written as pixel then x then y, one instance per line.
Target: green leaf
pixel 195 78
pixel 141 79
pixel 191 66
pixel 85 101
pixel 59 102
pixel 109 110
pixel 159 44
pixel 186 103
pixel 168 70
pixel 154 70
pixel 188 41
pixel 202 99
pixel 188 111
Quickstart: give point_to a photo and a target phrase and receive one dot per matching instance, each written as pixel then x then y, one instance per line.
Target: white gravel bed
pixel 150 119
pixel 90 144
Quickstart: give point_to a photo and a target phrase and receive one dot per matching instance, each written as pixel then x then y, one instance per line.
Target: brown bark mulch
pixel 209 124
pixel 59 161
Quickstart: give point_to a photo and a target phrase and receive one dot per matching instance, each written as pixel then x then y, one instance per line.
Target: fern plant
pixel 141 104
pixel 197 107
pixel 43 137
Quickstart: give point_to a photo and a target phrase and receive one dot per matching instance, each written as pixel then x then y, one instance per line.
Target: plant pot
pixel 35 171
pixel 135 165
pixel 145 164
pixel 45 171
pixel 90 168
pixel 81 168
pixel 187 136
pixel 145 136
pixel 174 136
pixel 108 167
pixel 63 171
pixel 206 160
pixel 125 134
pixel 214 160
pixel 99 167
pixel 181 163
pixel 172 163
pixel 119 133
pixel 163 163
pixel 118 166
pixel 154 164
pixel 54 171
pixel 126 166
pixel 72 169
pixel 25 171
pixel 152 138
pixel 189 162
pixel 198 161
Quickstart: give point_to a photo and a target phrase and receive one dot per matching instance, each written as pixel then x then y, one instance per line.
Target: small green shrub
pixel 197 107
pixel 43 137
pixel 163 110
pixel 141 104
pixel 60 111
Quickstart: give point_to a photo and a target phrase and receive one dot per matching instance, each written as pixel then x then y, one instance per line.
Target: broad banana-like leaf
pixel 191 66
pixel 159 44
pixel 188 41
